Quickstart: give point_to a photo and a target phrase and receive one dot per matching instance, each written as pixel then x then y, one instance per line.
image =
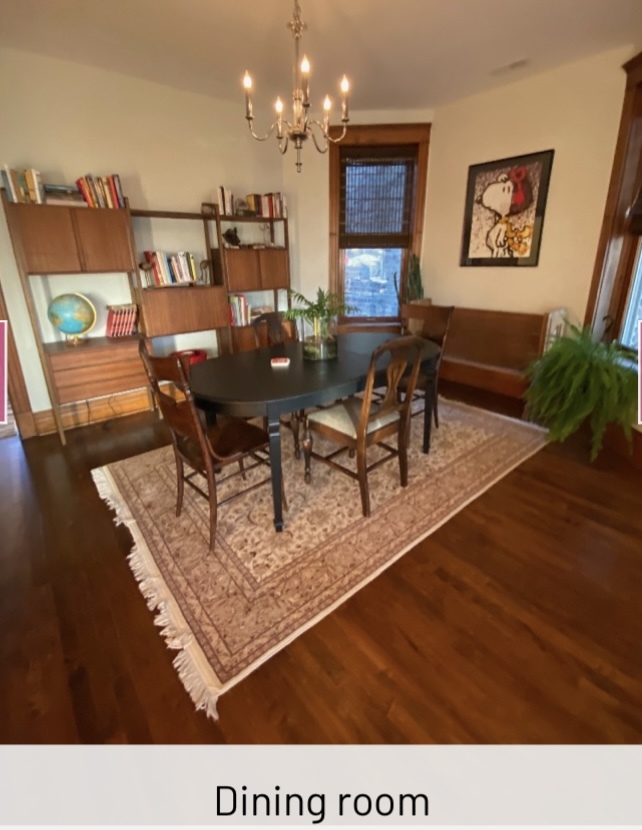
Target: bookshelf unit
pixel 190 307
pixel 184 307
pixel 80 242
pixel 248 269
pixel 49 240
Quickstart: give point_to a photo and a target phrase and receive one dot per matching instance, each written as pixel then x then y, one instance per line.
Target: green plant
pixel 578 380
pixel 414 284
pixel 320 313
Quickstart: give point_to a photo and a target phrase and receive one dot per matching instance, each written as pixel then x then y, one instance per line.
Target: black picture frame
pixel 504 211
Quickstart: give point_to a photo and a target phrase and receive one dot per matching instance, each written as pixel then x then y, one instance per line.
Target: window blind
pixel 377 190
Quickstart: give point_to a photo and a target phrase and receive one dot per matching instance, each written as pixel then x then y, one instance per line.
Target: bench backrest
pixel 496 338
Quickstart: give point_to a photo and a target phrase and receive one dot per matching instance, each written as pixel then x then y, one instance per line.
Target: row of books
pixel 122 320
pixel 269 205
pixel 169 269
pixel 240 310
pixel 23 185
pixel 26 186
pixel 101 191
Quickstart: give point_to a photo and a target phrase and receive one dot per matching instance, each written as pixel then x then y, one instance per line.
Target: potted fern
pixel 579 380
pixel 319 318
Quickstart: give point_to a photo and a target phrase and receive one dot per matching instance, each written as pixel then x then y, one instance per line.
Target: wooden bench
pixel 491 349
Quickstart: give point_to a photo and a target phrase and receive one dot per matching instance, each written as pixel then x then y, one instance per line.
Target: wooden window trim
pixel 617 246
pixel 376 135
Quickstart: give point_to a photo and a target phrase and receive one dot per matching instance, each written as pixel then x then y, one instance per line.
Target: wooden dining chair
pixel 431 322
pixel 271 330
pixel 205 450
pixel 358 423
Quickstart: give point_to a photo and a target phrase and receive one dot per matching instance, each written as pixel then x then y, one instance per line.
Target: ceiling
pixel 398 54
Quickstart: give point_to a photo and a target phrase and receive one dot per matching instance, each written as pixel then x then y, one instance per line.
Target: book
pixel 119 189
pixel 53 200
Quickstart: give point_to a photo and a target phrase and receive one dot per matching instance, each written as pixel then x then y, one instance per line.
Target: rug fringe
pixel 190 663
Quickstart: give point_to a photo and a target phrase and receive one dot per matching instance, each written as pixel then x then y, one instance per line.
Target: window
pixel 377 189
pixel 629 335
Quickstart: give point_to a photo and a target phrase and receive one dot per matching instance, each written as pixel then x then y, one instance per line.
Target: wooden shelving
pixel 52 239
pixel 55 239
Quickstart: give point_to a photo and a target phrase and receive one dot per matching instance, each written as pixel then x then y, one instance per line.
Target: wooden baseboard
pixel 496 379
pixel 92 411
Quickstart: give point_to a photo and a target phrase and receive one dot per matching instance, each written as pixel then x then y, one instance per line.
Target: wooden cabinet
pixel 274 268
pixel 257 269
pixel 50 239
pixel 99 366
pixel 183 309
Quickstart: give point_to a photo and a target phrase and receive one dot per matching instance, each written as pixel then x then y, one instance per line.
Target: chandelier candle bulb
pixel 279 118
pixel 327 105
pixel 247 84
pixel 305 72
pixel 345 88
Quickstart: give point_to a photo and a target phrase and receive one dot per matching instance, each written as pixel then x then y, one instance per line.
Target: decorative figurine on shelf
pixel 204 265
pixel 232 238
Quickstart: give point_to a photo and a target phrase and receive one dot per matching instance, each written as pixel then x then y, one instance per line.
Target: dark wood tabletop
pixel 246 384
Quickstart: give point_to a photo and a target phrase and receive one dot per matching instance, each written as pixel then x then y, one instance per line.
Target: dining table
pixel 246 384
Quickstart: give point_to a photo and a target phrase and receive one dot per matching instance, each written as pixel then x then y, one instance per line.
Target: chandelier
pixel 302 127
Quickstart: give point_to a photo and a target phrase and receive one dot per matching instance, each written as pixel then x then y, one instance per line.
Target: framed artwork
pixel 504 212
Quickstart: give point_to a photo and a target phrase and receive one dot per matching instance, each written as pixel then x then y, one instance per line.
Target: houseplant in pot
pixel 413 287
pixel 579 380
pixel 319 318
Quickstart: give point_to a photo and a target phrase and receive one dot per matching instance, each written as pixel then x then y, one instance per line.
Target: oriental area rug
pixel 227 612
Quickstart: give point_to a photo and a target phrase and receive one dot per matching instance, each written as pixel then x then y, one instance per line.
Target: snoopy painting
pixel 505 210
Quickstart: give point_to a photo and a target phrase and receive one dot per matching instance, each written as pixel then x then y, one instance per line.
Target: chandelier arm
pixel 283 145
pixel 259 137
pixel 343 133
pixel 321 149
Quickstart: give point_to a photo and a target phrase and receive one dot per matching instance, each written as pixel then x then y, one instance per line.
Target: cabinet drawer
pixel 82 379
pixel 95 351
pixel 76 386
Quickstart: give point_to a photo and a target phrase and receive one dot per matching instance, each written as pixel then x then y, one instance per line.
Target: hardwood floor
pixel 518 621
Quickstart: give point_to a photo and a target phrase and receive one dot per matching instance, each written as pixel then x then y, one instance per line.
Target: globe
pixel 72 314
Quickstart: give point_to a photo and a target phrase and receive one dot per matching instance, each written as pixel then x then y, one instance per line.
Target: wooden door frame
pixel 374 135
pixel 18 395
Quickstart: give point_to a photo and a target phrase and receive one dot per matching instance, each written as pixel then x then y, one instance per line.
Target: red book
pixel 113 192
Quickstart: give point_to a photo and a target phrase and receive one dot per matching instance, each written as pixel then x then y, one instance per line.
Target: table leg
pixel 429 403
pixel 274 434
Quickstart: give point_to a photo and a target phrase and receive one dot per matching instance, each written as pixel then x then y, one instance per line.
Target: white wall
pixel 574 110
pixel 171 149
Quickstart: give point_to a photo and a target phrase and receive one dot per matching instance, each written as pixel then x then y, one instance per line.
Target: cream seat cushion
pixel 344 417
